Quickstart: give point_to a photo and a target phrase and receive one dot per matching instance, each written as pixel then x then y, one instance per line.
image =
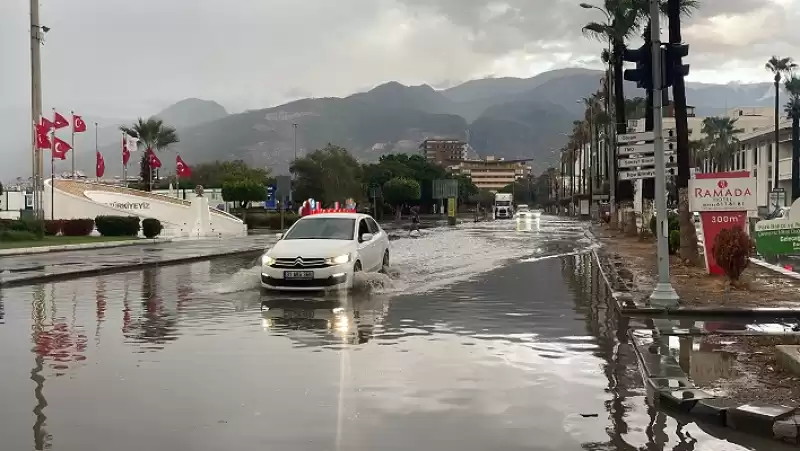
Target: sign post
pixel 451 210
pixel 723 200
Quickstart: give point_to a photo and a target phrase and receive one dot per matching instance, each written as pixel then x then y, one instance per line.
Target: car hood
pixel 311 248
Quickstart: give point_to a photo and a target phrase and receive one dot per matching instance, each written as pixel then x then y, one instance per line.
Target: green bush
pixel 77 227
pixel 151 227
pixel 674 241
pixel 270 220
pixel 18 235
pixel 672 221
pixel 117 225
pixel 23 225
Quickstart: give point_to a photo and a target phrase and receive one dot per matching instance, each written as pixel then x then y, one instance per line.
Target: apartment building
pixel 444 150
pixel 757 154
pixel 492 173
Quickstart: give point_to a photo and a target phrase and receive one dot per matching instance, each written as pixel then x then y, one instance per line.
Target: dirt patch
pixel 635 261
pixel 754 374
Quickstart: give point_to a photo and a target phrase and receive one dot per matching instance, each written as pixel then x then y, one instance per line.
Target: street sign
pixel 669 158
pixel 628 149
pixel 669 135
pixel 283 187
pixel 637 174
pixel 445 189
pixel 270 203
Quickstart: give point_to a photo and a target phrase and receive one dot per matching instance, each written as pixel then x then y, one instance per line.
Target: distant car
pixel 324 251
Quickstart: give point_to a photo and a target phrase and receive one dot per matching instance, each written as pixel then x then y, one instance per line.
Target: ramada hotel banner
pixel 723 200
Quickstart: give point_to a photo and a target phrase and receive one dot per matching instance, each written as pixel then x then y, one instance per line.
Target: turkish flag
pixel 60 148
pixel 45 124
pixel 154 161
pixel 101 165
pixel 181 168
pixel 126 153
pixel 59 121
pixel 78 125
pixel 42 139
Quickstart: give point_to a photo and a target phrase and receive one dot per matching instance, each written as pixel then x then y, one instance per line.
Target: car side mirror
pixel 367 237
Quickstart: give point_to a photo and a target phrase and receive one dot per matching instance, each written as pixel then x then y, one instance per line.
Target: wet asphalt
pixel 482 338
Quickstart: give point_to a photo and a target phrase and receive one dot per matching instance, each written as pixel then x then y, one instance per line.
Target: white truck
pixel 503 206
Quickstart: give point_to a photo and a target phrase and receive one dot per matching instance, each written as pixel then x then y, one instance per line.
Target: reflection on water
pixel 523 356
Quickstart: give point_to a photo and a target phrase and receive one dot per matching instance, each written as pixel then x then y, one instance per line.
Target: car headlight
pixel 266 260
pixel 340 260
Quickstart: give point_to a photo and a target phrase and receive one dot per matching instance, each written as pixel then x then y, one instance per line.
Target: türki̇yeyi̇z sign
pixel 130 205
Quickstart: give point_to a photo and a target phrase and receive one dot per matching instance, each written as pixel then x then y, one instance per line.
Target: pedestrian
pixel 414 220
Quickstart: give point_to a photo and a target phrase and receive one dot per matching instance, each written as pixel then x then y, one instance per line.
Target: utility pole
pixel 663 293
pixel 294 174
pixel 37 159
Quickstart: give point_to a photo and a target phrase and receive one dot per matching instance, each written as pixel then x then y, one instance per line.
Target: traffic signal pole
pixel 664 294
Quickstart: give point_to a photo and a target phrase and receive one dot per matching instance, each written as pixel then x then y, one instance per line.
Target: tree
pixel 214 174
pixel 399 191
pixel 152 134
pixel 328 175
pixel 466 188
pixel 623 21
pixel 243 192
pixel 483 197
pixel 779 67
pixel 409 166
pixel 793 111
pixel 721 139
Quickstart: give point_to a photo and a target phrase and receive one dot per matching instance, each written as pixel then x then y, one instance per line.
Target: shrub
pixel 270 220
pixel 17 235
pixel 53 227
pixel 34 226
pixel 117 225
pixel 672 221
pixel 732 249
pixel 674 241
pixel 77 227
pixel 151 227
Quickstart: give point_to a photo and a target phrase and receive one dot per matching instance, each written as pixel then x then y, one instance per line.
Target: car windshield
pixel 322 229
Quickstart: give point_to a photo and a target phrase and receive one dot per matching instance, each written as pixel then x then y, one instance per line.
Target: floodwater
pixel 488 336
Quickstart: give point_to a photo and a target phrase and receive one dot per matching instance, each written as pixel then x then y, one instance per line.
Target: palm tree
pixel 793 111
pixel 721 139
pixel 779 67
pixel 152 134
pixel 635 108
pixel 622 23
pixel 697 152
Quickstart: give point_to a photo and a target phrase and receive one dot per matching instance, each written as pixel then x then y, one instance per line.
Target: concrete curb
pixel 82 246
pixel 672 389
pixel 42 278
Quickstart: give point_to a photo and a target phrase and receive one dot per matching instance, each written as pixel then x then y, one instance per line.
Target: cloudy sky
pixel 123 58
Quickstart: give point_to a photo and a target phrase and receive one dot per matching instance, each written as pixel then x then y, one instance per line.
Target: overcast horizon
pixel 249 54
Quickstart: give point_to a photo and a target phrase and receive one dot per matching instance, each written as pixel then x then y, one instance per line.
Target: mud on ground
pixel 635 261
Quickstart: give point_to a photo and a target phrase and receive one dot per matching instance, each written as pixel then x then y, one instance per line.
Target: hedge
pixel 23 225
pixel 17 235
pixel 117 225
pixel 77 227
pixel 151 227
pixel 270 220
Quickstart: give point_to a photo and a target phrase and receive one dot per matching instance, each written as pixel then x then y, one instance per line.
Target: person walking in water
pixel 414 220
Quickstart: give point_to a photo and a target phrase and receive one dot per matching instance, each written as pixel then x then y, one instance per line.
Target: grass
pixel 63 240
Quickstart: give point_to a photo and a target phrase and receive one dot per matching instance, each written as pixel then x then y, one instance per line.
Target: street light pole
pixel 37 158
pixel 663 294
pixel 294 174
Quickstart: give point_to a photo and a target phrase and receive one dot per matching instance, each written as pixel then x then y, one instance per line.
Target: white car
pixel 323 251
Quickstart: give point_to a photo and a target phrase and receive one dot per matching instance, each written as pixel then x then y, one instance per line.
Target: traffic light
pixel 643 74
pixel 672 56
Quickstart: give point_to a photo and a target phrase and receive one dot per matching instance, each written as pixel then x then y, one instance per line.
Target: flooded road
pixel 483 337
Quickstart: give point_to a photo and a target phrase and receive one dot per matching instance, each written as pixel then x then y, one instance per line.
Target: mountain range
pixel 505 117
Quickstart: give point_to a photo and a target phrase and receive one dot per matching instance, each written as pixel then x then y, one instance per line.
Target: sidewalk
pixel 81 246
pixel 27 269
pixel 630 264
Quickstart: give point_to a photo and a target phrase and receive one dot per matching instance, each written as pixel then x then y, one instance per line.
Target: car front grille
pixel 298 262
pixel 326 282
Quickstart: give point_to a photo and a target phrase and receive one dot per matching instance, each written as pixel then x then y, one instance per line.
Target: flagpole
pixel 124 166
pixel 52 170
pixel 178 181
pixel 72 144
pixel 96 150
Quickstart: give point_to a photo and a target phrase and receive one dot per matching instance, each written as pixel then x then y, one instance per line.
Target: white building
pixel 757 154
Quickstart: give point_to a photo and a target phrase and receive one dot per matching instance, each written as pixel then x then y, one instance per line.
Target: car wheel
pixel 385 265
pixel 357 267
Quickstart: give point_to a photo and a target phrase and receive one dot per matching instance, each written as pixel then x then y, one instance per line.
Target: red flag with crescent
pixel 154 161
pixel 126 153
pixel 78 125
pixel 181 168
pixel 59 121
pixel 60 148
pixel 101 165
pixel 42 137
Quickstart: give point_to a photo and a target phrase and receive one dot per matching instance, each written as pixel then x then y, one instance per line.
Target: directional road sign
pixel 648 173
pixel 670 158
pixel 669 135
pixel 646 148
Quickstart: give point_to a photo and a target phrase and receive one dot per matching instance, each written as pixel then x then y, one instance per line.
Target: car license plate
pixel 302 314
pixel 298 275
